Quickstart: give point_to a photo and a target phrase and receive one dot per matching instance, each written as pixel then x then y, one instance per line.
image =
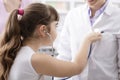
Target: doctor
pixel 103 59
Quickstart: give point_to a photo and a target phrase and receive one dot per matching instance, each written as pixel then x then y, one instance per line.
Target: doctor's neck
pixel 96 6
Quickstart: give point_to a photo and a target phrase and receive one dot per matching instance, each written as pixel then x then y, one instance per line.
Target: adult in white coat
pixel 103 59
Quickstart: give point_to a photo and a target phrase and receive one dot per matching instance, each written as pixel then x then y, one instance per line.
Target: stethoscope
pixel 95 30
pixel 62 78
pixel 90 50
pixel 53 54
pixel 48 49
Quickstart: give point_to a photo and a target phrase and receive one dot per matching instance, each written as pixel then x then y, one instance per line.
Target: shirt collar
pixel 101 10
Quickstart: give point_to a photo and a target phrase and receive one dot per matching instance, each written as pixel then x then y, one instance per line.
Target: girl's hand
pixel 93 36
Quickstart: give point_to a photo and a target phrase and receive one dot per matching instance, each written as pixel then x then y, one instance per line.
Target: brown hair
pixel 34 14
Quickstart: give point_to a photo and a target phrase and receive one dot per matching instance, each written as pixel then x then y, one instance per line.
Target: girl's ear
pixel 42 30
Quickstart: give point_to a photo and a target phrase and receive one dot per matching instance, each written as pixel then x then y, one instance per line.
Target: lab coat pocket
pixel 106 48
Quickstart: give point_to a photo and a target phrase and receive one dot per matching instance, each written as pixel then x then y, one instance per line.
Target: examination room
pixel 59 39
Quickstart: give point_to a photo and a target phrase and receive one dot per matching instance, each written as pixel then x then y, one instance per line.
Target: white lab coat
pixel 103 61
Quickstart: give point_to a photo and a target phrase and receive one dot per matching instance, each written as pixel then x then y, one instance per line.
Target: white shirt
pixel 103 63
pixel 22 68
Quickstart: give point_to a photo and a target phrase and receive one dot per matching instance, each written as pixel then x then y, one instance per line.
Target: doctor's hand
pixel 93 36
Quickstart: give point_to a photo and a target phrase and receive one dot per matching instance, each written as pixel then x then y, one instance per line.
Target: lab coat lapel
pixel 108 11
pixel 99 19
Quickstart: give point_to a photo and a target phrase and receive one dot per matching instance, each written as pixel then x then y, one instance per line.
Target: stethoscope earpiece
pixel 47 34
pixel 50 39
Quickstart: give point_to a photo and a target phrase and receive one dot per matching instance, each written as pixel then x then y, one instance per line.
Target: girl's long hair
pixel 17 30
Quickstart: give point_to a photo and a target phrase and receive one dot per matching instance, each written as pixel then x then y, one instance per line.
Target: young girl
pixel 23 37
